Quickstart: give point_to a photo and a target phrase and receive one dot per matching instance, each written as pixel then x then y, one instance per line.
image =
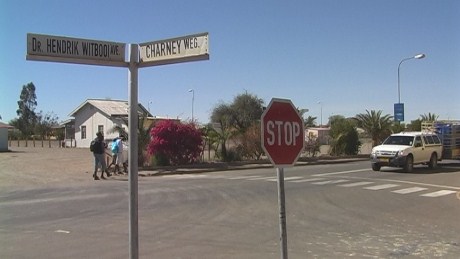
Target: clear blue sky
pixel 344 54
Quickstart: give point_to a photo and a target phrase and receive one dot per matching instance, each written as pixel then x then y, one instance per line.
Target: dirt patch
pixel 43 166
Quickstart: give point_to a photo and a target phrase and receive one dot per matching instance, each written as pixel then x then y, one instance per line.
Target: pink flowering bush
pixel 175 143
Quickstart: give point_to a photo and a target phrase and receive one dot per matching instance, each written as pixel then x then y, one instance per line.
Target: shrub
pixel 175 143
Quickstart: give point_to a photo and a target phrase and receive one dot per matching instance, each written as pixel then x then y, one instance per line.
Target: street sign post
pixel 282 133
pixel 90 52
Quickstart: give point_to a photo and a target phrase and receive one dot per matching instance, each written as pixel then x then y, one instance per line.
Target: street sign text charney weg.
pixel 182 49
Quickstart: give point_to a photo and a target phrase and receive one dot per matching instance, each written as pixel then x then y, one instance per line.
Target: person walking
pixel 114 149
pixel 119 158
pixel 98 147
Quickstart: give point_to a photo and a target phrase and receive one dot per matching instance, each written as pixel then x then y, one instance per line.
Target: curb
pixel 233 167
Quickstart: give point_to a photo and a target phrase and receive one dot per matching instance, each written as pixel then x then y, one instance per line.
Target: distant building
pixel 95 115
pixel 4 136
pixel 321 134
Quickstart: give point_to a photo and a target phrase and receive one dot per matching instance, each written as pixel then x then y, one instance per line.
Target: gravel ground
pixel 22 167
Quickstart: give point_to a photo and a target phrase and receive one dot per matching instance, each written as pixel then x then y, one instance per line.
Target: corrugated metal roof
pixel 4 125
pixel 111 108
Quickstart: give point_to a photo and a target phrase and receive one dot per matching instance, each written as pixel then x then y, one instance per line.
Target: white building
pixel 95 115
pixel 4 136
pixel 320 134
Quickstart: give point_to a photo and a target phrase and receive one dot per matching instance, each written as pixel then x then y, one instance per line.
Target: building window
pixel 83 132
pixel 100 128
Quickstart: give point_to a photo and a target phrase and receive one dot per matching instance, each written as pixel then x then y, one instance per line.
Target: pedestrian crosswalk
pixel 403 189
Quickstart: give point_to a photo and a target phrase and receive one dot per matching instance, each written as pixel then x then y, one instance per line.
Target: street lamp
pixel 418 56
pixel 193 99
pixel 321 125
pixel 148 105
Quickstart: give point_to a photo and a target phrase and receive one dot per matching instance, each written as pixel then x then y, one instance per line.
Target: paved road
pixel 333 211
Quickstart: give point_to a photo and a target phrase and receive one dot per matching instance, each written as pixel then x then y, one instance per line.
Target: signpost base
pixel 282 209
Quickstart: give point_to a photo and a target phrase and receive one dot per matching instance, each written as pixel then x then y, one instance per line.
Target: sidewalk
pixel 243 165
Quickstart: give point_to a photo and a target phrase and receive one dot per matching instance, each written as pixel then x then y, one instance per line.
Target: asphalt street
pixel 333 211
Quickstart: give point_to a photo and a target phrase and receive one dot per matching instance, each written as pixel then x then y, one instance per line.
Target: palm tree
pixel 429 117
pixel 143 135
pixel 310 121
pixel 378 127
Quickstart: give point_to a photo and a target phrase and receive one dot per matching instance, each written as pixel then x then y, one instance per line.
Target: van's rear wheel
pixel 409 166
pixel 433 161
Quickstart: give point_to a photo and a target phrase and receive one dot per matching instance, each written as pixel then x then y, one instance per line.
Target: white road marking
pixel 285 179
pixel 62 231
pixel 261 178
pixel 356 184
pixel 183 176
pixel 331 182
pixel 243 177
pixel 438 193
pixel 410 190
pixel 307 180
pixel 343 172
pixel 380 187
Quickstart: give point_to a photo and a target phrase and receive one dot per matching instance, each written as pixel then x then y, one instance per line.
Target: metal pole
pixel 282 209
pixel 133 143
pixel 399 89
pixel 193 101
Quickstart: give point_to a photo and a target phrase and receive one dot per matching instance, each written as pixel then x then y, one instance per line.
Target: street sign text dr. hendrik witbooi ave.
pixel 74 50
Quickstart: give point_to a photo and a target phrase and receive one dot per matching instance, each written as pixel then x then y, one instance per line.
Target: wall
pixel 3 139
pixel 90 117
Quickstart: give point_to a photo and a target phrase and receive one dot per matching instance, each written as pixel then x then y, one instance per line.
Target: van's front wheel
pixel 375 167
pixel 409 166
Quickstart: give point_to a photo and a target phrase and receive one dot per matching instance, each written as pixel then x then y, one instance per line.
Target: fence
pixel 48 143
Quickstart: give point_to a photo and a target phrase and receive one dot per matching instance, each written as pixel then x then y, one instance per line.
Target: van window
pixel 418 142
pixel 428 139
pixel 436 139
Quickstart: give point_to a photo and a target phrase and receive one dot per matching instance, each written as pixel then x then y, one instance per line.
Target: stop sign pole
pixel 282 132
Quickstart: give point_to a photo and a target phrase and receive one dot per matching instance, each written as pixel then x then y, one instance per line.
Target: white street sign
pixel 72 50
pixel 182 49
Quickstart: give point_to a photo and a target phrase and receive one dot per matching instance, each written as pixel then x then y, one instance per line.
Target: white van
pixel 406 149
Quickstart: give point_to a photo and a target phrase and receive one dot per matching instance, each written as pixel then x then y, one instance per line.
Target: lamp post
pixel 321 121
pixel 193 99
pixel 148 105
pixel 399 107
pixel 418 56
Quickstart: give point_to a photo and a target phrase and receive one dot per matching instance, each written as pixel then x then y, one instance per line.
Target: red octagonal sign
pixel 282 132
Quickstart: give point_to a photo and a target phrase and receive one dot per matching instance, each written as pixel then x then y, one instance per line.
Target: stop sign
pixel 282 132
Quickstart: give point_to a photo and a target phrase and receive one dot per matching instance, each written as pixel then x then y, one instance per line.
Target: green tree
pixel 378 127
pixel 251 142
pixel 415 125
pixel 246 109
pixel 233 120
pixel 211 139
pixel 26 110
pixel 344 136
pixel 45 123
pixel 310 122
pixel 222 118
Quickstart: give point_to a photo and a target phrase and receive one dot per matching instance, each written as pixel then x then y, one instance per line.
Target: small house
pixel 4 136
pixel 102 115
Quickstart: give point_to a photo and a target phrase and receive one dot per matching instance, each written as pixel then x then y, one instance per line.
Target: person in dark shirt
pixel 99 156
